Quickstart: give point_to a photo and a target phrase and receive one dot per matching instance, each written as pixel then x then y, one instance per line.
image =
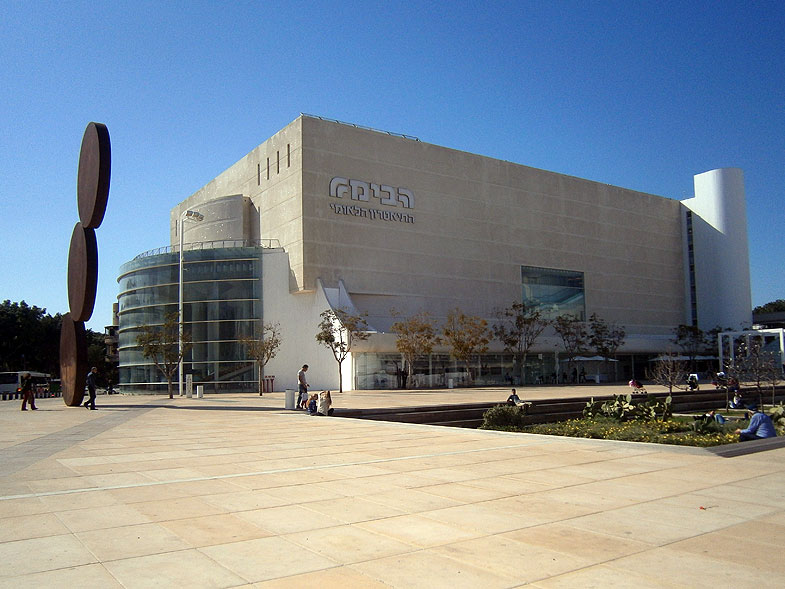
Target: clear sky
pixel 638 94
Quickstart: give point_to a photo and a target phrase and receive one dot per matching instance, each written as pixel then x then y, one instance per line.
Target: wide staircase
pixel 469 415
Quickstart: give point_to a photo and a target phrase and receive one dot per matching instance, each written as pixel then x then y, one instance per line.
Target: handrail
pixel 394 134
pixel 214 244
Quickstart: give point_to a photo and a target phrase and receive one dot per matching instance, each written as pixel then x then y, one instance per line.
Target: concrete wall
pixel 432 228
pixel 476 221
pixel 269 179
pixel 298 317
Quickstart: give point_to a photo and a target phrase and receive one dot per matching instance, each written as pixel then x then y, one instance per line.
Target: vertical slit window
pixel 288 156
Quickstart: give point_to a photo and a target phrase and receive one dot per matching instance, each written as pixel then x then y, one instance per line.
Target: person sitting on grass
pixel 760 427
pixel 714 416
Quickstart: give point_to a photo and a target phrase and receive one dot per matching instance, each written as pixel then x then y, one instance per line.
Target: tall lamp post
pixel 193 216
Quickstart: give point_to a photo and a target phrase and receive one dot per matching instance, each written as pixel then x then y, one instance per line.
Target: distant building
pixel 330 215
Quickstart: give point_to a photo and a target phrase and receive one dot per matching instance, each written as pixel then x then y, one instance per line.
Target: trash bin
pixel 199 391
pixel 289 399
pixel 268 383
pixel 450 383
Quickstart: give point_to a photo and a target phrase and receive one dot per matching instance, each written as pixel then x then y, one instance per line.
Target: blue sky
pixel 638 94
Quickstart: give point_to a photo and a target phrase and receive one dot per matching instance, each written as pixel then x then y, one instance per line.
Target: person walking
pixel 27 392
pixel 91 384
pixel 302 397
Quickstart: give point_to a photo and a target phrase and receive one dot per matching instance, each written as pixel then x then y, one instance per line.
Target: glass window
pixel 222 301
pixel 554 292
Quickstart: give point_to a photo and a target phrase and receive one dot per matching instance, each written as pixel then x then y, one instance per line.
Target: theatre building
pixel 331 215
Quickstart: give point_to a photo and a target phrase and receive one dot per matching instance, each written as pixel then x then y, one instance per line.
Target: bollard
pixel 289 399
pixel 200 391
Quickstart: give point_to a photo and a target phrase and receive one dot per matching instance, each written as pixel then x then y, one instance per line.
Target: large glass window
pixel 554 292
pixel 221 303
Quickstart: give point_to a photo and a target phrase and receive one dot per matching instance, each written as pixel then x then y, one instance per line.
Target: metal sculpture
pixel 92 192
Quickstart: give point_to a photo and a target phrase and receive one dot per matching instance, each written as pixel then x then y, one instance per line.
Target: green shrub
pixel 623 408
pixel 619 408
pixel 504 416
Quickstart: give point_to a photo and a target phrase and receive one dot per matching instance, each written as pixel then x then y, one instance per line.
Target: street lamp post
pixel 193 216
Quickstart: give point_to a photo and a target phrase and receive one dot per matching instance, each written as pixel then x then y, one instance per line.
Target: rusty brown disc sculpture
pixel 82 273
pixel 73 360
pixel 95 165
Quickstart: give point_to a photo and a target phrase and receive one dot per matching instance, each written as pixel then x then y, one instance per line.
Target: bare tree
pixel 606 338
pixel 692 342
pixel 517 327
pixel 757 366
pixel 573 334
pixel 263 347
pixel 338 331
pixel 466 335
pixel 416 337
pixel 161 345
pixel 669 372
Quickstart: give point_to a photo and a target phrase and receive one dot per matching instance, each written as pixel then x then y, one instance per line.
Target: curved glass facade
pixel 222 301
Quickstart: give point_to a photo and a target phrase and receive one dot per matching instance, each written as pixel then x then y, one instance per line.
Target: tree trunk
pixel 261 377
pixel 340 377
pixel 523 370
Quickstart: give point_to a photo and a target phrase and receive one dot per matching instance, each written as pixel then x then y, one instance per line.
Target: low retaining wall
pixel 540 411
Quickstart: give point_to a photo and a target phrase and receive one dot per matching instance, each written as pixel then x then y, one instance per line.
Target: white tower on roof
pixel 718 253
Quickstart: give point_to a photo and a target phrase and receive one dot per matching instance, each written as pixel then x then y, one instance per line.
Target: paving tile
pixel 35 555
pixel 693 570
pixel 96 518
pixel 214 529
pixel 335 578
pixel 753 551
pixel 288 519
pixel 504 556
pixel 353 509
pixel 615 524
pixel 348 544
pixel 187 568
pixel 427 570
pixel 266 558
pixel 594 546
pixel 30 526
pixel 396 504
pixel 305 493
pixel 483 518
pixel 760 529
pixel 91 576
pixel 173 509
pixel 602 577
pixel 463 492
pixel 245 500
pixel 130 541
pixel 417 531
pixel 23 506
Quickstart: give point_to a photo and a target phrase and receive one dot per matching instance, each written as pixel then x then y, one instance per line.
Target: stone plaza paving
pixel 235 491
